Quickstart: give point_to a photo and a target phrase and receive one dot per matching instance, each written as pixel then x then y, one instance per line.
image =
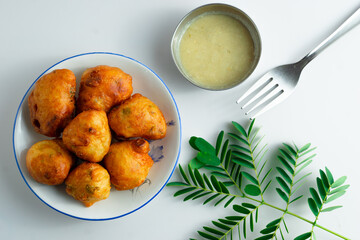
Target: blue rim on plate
pixel 172 171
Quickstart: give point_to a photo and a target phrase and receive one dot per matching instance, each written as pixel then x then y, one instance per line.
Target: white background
pixel 323 110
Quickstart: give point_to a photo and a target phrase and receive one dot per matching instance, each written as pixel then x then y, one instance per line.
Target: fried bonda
pixel 103 87
pixel 52 102
pixel 88 135
pixel 49 162
pixel 88 183
pixel 128 163
pixel 137 116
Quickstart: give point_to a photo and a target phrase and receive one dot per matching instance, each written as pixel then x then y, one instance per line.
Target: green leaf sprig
pixel 235 168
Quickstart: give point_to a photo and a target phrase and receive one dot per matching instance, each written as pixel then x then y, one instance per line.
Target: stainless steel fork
pixel 278 83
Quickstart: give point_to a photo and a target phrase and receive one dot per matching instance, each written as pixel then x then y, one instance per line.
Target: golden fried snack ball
pixel 128 163
pixel 52 102
pixel 49 162
pixel 137 117
pixel 88 183
pixel 103 87
pixel 88 135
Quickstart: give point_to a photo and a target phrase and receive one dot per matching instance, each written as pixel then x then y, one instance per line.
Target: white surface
pixel 146 83
pixel 323 110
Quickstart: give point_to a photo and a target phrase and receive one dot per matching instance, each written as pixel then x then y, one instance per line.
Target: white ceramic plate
pixel 165 152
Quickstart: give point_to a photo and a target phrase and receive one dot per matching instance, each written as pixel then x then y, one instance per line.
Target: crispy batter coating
pixel 137 117
pixel 49 162
pixel 52 102
pixel 128 163
pixel 88 183
pixel 103 87
pixel 88 135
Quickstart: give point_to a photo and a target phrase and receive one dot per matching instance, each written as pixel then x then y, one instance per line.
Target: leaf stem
pixel 231 178
pixel 238 223
pixel 290 193
pixel 299 217
pixel 255 169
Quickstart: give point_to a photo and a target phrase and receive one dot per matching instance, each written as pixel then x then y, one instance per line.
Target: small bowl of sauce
pixel 216 46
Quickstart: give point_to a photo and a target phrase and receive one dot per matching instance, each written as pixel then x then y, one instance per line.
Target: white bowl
pixel 165 152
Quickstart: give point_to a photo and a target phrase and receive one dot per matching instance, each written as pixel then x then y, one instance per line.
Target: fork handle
pixel 349 23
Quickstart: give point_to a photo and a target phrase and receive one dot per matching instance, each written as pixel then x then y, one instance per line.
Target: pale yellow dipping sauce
pixel 216 51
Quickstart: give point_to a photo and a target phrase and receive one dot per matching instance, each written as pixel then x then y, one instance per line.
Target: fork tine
pixel 279 98
pixel 266 97
pixel 255 86
pixel 268 88
pixel 271 94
